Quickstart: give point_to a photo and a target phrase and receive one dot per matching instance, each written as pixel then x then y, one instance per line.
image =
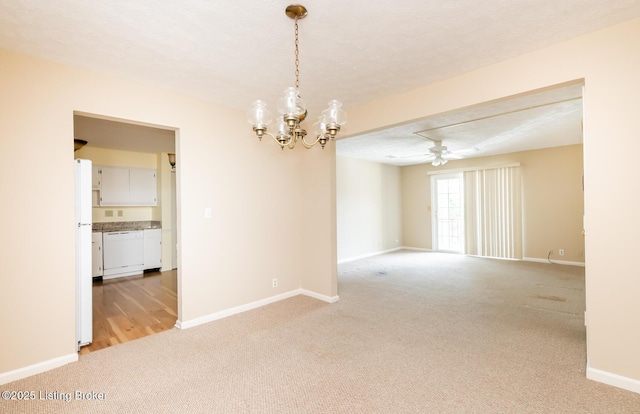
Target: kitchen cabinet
pixel 128 186
pixel 152 249
pixel 96 254
pixel 96 176
pixel 114 188
pixel 143 187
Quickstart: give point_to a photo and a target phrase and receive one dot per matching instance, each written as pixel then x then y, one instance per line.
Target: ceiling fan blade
pixel 411 156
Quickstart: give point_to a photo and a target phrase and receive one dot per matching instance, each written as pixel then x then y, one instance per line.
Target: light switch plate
pixel 207 212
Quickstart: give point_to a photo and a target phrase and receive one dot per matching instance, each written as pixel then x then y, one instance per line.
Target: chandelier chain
pixel 297 59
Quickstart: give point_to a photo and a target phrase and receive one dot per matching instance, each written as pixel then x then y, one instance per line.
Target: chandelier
pixel 292 110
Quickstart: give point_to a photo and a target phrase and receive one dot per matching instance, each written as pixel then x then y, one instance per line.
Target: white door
pixel 447 195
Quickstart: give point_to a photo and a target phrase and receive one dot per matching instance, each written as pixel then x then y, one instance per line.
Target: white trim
pixel 364 256
pixel 315 295
pixel 237 309
pixel 459 170
pixel 253 305
pixel 562 262
pixel 615 380
pixel 40 367
pixel 417 249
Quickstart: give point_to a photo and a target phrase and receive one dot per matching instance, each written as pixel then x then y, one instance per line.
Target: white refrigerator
pixel 84 279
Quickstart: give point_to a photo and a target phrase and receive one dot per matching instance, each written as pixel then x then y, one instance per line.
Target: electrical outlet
pixel 274 283
pixel 561 252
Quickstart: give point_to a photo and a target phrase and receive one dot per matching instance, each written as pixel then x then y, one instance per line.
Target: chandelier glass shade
pixel 292 110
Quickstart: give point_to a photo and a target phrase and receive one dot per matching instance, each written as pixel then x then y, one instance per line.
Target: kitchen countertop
pixel 126 225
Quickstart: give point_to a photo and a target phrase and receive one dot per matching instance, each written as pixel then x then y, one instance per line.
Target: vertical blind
pixel 493 212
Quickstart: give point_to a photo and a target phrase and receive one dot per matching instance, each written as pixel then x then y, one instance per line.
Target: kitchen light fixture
pixel 292 109
pixel 172 160
pixel 78 143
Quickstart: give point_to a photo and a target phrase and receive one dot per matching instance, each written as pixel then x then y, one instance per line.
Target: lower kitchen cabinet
pixel 126 252
pixel 152 249
pixel 96 254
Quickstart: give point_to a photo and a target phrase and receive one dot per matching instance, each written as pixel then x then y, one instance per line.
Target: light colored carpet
pixel 413 332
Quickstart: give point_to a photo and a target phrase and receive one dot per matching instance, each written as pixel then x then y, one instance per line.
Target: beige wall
pixel 255 190
pixel 369 207
pixel 37 103
pixel 551 193
pixel 609 62
pixel 317 215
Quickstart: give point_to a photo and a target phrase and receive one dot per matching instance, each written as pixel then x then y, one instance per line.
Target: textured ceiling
pixel 542 119
pixel 234 52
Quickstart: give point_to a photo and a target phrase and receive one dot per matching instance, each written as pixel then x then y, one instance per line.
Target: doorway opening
pixel 131 304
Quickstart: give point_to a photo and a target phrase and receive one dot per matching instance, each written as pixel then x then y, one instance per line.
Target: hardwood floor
pixel 132 307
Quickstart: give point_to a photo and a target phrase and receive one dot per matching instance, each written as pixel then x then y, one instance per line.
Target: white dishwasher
pixel 123 253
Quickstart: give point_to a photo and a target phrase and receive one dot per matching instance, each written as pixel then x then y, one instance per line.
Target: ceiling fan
pixel 441 155
pixel 438 154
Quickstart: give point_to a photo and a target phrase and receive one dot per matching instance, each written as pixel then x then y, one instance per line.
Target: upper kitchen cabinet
pixel 96 176
pixel 128 187
pixel 143 187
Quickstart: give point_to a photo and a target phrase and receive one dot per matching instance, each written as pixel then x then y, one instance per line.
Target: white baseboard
pixel 324 298
pixel 20 373
pixel 553 261
pixel 615 380
pixel 253 305
pixel 416 249
pixel 364 256
pixel 24 372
